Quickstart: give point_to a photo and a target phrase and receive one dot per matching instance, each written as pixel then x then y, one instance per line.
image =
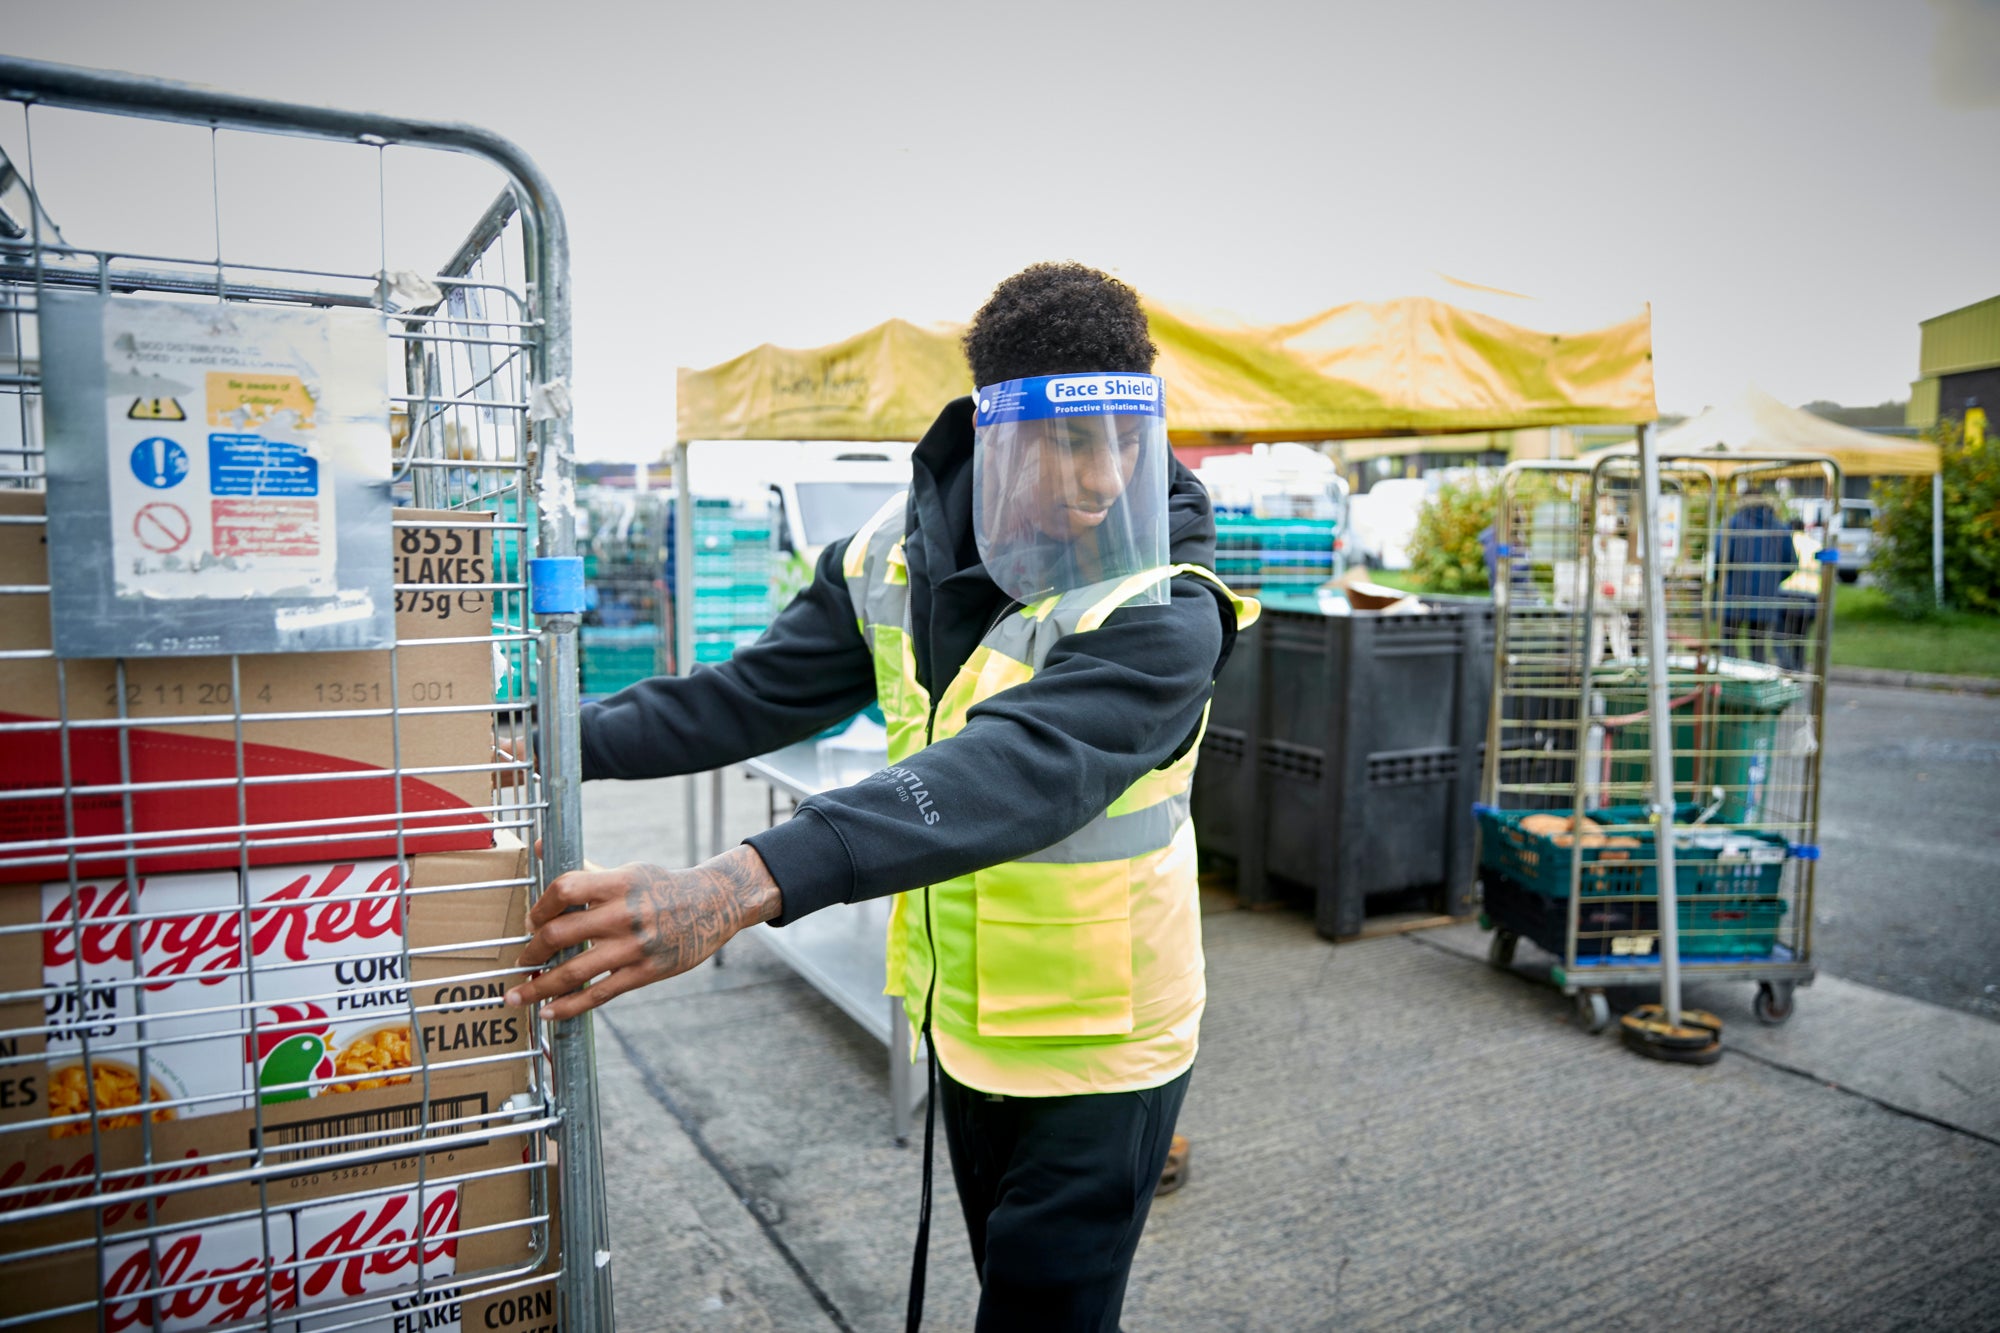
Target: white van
pixel 1855 531
pixel 823 489
pixel 1385 520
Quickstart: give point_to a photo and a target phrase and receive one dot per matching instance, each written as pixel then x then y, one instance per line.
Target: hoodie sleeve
pixel 808 671
pixel 1033 764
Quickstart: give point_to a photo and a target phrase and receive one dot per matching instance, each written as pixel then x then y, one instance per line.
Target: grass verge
pixel 1868 632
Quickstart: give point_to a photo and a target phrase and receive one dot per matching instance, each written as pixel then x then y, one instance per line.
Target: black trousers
pixel 1055 1192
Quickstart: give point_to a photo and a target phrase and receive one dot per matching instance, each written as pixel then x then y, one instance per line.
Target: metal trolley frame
pixel 1569 732
pixel 486 355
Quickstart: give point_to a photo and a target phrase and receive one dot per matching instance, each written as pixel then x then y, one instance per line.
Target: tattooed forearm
pixel 634 925
pixel 681 917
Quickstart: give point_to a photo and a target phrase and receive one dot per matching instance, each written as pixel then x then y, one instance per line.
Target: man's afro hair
pixel 1058 319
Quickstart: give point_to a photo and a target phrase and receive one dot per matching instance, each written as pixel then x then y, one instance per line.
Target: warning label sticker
pixel 253 465
pixel 227 437
pixel 249 401
pixel 156 409
pixel 266 527
pixel 162 527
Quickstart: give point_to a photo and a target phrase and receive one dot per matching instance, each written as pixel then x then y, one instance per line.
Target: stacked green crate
pixel 622 540
pixel 1273 554
pixel 1238 554
pixel 735 565
pixel 614 656
pixel 514 659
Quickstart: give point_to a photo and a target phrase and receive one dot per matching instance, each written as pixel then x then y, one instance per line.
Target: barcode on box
pixel 323 1136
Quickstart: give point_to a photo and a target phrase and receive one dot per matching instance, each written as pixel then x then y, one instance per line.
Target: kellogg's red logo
pixel 223 1277
pixel 78 1180
pixel 368 1249
pixel 209 944
pixel 214 1289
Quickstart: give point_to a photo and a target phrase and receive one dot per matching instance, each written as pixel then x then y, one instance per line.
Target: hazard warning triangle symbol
pixel 156 409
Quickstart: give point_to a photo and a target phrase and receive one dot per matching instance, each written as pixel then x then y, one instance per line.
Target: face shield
pixel 1069 476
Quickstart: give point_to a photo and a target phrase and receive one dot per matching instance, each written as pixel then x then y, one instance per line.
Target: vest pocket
pixel 1054 949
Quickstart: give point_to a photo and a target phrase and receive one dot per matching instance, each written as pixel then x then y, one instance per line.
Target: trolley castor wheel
pixel 1773 1004
pixel 1593 1011
pixel 1696 1039
pixel 1500 953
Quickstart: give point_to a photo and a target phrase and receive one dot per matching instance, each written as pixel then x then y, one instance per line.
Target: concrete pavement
pixel 1388 1134
pixel 1909 886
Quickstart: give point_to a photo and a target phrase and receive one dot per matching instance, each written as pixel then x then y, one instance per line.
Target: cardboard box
pixel 518 1307
pixel 56 1190
pixel 346 805
pixel 351 1151
pixel 324 1254
pixel 317 1006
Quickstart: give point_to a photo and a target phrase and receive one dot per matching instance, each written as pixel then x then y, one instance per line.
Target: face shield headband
pixel 1070 482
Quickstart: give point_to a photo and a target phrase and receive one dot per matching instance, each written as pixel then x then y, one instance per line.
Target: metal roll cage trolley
pixel 1727 635
pixel 483 434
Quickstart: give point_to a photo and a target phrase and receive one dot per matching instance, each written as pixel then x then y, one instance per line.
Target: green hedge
pixel 1445 555
pixel 1902 555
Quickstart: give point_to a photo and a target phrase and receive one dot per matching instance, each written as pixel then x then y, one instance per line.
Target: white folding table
pixel 840 949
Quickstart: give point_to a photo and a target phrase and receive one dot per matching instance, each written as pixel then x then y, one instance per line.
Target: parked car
pixel 1855 532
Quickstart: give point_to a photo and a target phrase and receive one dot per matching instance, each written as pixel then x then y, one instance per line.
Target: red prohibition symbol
pixel 162 527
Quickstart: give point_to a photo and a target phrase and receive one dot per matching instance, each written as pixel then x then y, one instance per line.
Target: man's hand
pixel 641 924
pixel 510 749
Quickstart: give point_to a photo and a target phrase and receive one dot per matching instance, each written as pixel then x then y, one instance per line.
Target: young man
pixel 1039 624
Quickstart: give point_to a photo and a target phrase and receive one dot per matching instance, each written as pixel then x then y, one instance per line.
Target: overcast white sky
pixel 1791 185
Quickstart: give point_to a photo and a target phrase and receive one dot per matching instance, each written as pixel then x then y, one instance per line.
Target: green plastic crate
pixel 1624 931
pixel 1729 927
pixel 1540 865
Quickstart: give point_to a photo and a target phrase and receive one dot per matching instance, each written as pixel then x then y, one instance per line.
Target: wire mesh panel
pixel 258 910
pixel 1568 830
pixel 1543 641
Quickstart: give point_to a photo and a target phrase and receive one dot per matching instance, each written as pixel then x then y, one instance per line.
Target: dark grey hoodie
pixel 1034 763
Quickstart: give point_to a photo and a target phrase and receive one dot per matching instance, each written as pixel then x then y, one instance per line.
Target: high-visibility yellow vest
pixel 1077 968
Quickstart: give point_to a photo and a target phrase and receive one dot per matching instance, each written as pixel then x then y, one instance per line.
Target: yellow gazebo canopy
pixel 1758 423
pixel 1367 369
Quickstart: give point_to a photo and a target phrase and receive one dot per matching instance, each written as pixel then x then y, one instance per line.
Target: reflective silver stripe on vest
pixel 857 545
pixel 1108 837
pixel 876 600
pixel 1119 837
pixel 1029 638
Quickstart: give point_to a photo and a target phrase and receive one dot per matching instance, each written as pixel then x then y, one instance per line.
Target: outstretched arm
pixel 808 671
pixel 1034 763
pixel 641 923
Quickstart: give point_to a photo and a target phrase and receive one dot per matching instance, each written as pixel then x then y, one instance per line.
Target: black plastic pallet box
pixel 1342 758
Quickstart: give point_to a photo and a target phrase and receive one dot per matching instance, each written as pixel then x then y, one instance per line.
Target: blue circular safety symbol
pixel 159 462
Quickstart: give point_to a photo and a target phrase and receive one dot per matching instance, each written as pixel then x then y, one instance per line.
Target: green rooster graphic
pixel 294 1061
pixel 291 1051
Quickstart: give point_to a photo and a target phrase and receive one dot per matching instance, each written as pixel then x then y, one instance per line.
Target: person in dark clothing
pixel 1757 557
pixel 1037 746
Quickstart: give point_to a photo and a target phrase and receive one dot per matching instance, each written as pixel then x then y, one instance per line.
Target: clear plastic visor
pixel 1065 502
